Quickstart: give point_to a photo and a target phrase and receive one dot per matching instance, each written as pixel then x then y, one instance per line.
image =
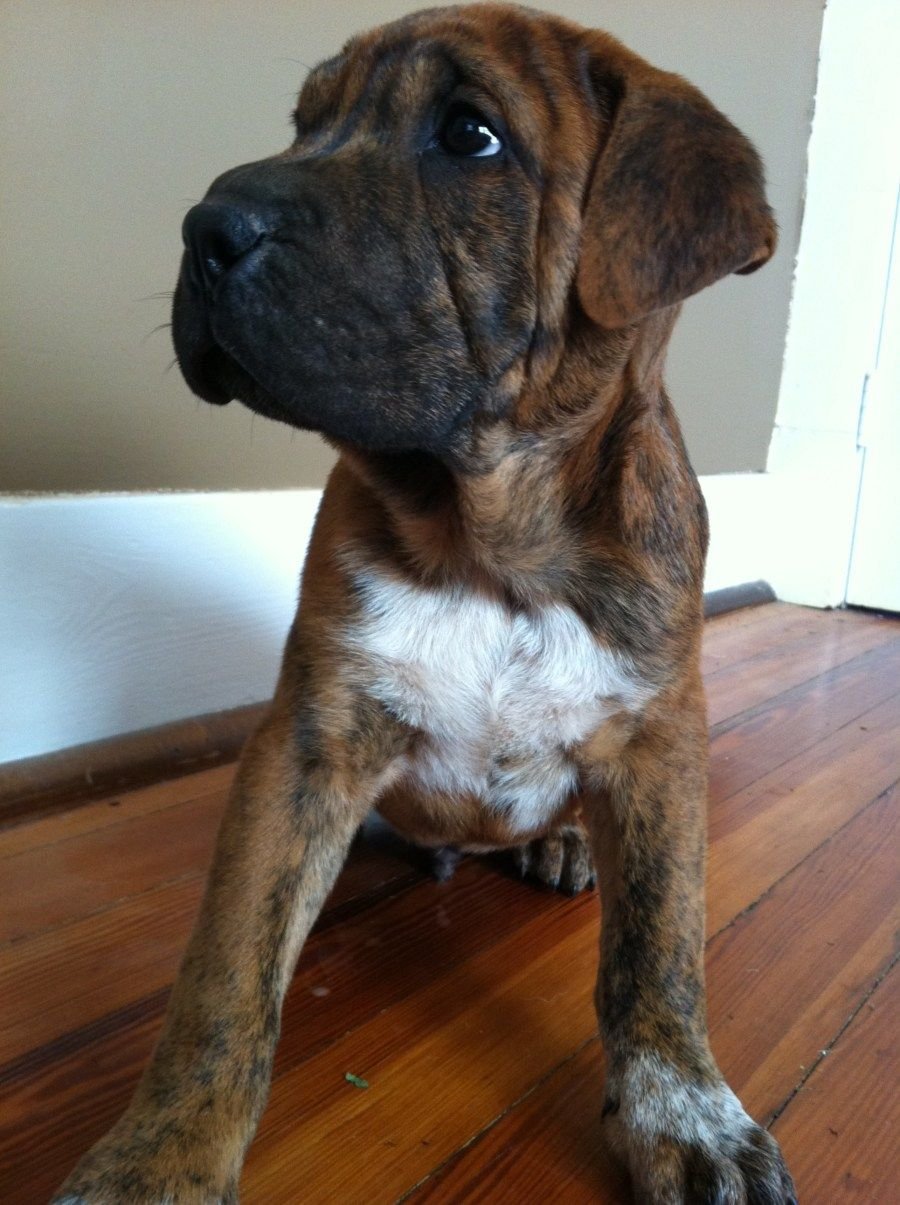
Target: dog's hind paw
pixel 561 860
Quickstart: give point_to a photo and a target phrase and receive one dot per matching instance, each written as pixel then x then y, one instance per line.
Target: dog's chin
pixel 216 377
pixel 210 371
pixel 211 375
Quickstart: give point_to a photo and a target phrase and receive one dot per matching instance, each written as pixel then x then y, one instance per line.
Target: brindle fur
pixel 493 380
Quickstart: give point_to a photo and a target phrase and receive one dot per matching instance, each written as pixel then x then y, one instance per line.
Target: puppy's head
pixel 466 186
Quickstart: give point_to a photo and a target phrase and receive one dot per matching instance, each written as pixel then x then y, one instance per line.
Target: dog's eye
pixel 465 132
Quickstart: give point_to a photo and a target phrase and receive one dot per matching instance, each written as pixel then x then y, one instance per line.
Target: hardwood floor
pixel 467 1005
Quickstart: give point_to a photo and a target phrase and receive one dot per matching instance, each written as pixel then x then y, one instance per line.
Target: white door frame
pixel 796 520
pixel 874 577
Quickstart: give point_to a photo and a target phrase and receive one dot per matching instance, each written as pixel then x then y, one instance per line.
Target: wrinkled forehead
pixel 528 68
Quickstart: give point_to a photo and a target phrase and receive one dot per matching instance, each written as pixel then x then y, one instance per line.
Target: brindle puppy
pixel 464 272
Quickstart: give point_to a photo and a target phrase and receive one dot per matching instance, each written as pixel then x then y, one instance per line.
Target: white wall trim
pixel 120 612
pixel 739 529
pixel 783 526
pixel 123 611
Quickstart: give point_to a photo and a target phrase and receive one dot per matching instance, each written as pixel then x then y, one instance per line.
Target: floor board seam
pixel 108 828
pixel 494 1121
pixel 719 800
pixel 826 1050
pixel 772 652
pixel 12 1067
pixel 729 723
pixel 490 1125
pixel 348 909
pixel 24 1066
pixel 278 1075
pixel 327 918
pixel 751 907
pixel 8 943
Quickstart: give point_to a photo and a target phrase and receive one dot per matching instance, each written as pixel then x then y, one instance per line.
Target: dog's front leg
pixel 286 831
pixel 668 1112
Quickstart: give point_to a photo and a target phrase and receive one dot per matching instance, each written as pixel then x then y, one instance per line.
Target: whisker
pixel 296 62
pixel 163 326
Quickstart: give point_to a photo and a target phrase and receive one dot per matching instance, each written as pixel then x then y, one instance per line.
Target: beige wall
pixel 116 116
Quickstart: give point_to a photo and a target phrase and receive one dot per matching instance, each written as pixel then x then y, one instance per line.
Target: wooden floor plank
pixel 349 973
pixel 785 975
pixel 458 1000
pixel 546 1148
pixel 745 748
pixel 95 864
pixel 83 873
pixel 513 1008
pixel 376 965
pixel 760 833
pixel 787 995
pixel 76 974
pixel 730 640
pixel 100 961
pixel 107 962
pixel 840 1130
pixel 782 981
pixel 113 810
pixel 782 666
pixel 75 878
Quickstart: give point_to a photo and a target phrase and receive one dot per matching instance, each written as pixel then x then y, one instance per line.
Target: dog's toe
pixel 561 860
pixel 689 1141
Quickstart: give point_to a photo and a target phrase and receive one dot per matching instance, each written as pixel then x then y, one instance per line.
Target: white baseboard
pixel 739 546
pixel 121 612
pixel 791 526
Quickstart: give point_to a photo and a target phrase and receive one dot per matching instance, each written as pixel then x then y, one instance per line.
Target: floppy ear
pixel 677 201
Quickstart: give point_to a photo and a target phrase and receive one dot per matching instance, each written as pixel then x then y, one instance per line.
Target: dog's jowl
pixel 464 272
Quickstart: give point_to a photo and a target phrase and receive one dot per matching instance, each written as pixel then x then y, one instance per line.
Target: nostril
pixel 216 235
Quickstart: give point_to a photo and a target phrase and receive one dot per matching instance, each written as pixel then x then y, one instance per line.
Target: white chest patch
pixel 500 698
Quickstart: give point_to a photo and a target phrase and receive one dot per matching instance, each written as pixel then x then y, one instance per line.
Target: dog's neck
pixel 532 486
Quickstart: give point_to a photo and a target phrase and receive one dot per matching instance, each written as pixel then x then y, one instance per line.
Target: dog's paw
pixel 691 1143
pixel 562 860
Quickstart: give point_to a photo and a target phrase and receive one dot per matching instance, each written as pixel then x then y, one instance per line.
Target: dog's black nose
pixel 216 235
